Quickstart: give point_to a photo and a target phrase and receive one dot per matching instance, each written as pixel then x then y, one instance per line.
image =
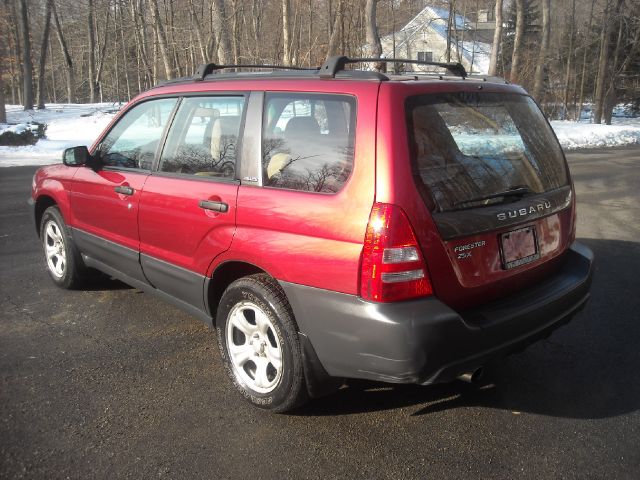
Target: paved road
pixel 111 383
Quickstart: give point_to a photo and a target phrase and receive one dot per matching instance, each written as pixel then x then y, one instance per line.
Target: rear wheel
pixel 63 260
pixel 259 344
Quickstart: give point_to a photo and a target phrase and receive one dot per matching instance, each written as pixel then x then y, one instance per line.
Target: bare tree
pixel 219 24
pixel 43 53
pixel 102 52
pixel 565 96
pixel 518 41
pixel 3 110
pixel 92 51
pixel 3 56
pixel 71 97
pixel 373 39
pixel 286 32
pixel 162 39
pixel 27 66
pixel 544 48
pixel 497 40
pixel 334 39
pixel 610 18
pixel 584 64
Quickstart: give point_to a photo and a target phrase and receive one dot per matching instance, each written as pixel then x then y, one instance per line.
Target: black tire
pixel 73 271
pixel 284 387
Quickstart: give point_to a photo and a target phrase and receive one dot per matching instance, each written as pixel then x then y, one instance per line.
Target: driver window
pixel 132 143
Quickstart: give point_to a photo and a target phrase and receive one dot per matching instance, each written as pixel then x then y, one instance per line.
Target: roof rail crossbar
pixel 337 63
pixel 208 68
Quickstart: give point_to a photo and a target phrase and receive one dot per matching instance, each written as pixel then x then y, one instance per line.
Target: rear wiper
pixel 512 192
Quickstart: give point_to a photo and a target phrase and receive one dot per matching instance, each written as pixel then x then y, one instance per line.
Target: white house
pixel 425 38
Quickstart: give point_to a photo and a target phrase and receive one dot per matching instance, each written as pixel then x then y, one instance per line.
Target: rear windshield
pixel 468 146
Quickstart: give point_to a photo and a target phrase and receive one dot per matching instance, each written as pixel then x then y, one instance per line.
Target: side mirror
pixel 75 156
pixel 78 156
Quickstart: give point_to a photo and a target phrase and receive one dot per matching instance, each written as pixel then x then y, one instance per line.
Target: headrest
pixel 301 128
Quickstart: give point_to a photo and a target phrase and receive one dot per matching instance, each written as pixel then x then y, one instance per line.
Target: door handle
pixel 124 190
pixel 213 205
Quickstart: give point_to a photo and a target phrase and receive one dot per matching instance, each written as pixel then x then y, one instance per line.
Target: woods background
pixel 566 52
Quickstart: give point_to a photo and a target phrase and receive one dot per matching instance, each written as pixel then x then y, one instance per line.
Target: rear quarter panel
pixel 307 238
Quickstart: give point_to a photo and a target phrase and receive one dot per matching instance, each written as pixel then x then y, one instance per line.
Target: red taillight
pixel 392 266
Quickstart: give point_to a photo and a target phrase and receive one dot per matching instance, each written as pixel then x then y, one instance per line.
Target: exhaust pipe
pixel 473 376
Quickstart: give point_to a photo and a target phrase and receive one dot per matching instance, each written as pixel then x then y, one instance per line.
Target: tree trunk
pixel 71 97
pixel 3 110
pixel 565 97
pixel 286 32
pixel 606 41
pixel 92 52
pixel 611 96
pixel 497 40
pixel 235 36
pixel 219 24
pixel 373 39
pixel 334 39
pixel 27 66
pixel 162 39
pixel 256 28
pixel 124 53
pixel 52 69
pixel 102 49
pixel 200 37
pixel 449 30
pixel 43 54
pixel 17 54
pixel 139 32
pixel 584 64
pixel 538 83
pixel 518 42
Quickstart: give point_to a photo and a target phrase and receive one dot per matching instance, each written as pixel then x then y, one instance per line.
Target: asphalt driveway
pixel 112 383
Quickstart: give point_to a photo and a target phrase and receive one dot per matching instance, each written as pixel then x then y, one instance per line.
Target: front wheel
pixel 258 340
pixel 63 260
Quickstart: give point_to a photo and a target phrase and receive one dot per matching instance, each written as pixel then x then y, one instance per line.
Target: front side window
pixel 467 148
pixel 203 139
pixel 133 141
pixel 307 141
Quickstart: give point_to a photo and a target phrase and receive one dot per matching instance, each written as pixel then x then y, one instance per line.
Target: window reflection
pixel 308 141
pixel 470 145
pixel 204 137
pixel 133 141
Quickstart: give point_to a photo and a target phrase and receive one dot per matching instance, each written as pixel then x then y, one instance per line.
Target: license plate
pixel 519 247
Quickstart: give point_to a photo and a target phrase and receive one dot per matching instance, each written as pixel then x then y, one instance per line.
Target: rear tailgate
pixel 492 200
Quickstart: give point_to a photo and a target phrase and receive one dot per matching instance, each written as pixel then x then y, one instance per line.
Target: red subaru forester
pixel 329 223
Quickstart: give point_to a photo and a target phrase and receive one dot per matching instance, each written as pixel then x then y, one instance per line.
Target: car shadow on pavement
pixel 98 282
pixel 587 369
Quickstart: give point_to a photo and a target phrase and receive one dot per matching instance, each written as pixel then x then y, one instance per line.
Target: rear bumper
pixel 424 341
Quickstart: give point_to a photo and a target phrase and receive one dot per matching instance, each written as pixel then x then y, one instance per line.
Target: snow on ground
pixel 69 125
pixel 572 135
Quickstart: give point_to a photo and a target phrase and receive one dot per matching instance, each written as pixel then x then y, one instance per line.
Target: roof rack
pixel 335 64
pixel 208 68
pixel 332 67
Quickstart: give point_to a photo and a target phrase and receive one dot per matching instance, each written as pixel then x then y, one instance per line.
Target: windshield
pixel 468 147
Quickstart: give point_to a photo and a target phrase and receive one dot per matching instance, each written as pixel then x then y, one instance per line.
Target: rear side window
pixel 203 138
pixel 466 147
pixel 307 141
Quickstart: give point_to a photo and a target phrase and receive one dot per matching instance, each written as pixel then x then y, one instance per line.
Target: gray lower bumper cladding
pixel 424 341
